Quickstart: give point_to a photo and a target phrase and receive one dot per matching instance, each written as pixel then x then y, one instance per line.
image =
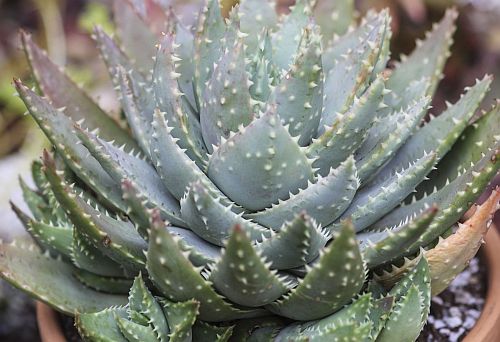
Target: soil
pixel 455 311
pixel 17 315
pixel 69 329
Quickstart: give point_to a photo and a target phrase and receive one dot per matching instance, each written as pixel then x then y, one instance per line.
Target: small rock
pixel 453 322
pixel 456 336
pixel 437 300
pixel 474 313
pixel 445 331
pixel 454 311
pixel 469 322
pixel 438 324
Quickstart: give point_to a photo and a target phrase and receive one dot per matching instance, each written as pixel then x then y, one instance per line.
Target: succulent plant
pixel 261 187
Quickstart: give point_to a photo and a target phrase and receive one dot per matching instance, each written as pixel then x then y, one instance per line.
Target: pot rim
pixel 49 327
pixel 485 329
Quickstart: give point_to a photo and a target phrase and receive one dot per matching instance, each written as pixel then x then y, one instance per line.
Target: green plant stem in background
pixel 95 13
pixel 50 16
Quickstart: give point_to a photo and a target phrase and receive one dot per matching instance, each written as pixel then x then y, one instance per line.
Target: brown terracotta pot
pixel 486 328
pixel 48 325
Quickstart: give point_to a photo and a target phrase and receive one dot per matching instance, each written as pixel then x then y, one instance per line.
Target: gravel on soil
pixel 455 311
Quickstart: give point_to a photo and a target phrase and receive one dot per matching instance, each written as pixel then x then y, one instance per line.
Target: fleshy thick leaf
pixel 253 16
pixel 331 283
pixel 104 284
pixel 334 17
pixel 297 243
pixel 138 114
pixel 37 203
pixel 134 89
pixel 181 317
pixel 63 91
pixel 137 209
pixel 135 332
pixel 177 279
pixel 115 60
pixel 185 124
pixel 403 322
pixel 24 266
pixel 477 139
pixel 114 238
pixel 263 74
pixel 451 255
pixel 454 199
pixel 89 258
pixel 384 246
pixel 373 202
pixel 245 330
pixel 325 200
pixel 427 60
pixel 260 164
pixel 440 133
pixel 53 238
pixel 135 34
pixel 226 99
pixel 184 38
pixel 119 164
pixel 209 33
pixel 337 46
pixel 458 197
pixel 299 94
pixel 142 301
pixel 348 132
pixel 412 294
pixel 350 75
pixel 243 276
pixel 352 314
pixel 200 251
pixel 59 129
pixel 379 314
pixel 175 168
pixel 205 332
pixel 211 220
pixel 286 38
pixel 101 326
pixel 387 136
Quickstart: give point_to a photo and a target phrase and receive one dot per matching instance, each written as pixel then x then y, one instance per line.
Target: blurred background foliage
pixel 476 48
pixel 63 27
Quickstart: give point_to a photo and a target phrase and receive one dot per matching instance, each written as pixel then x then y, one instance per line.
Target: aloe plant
pixel 261 187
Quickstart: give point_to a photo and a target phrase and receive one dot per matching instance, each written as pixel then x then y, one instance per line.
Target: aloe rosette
pixel 272 179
